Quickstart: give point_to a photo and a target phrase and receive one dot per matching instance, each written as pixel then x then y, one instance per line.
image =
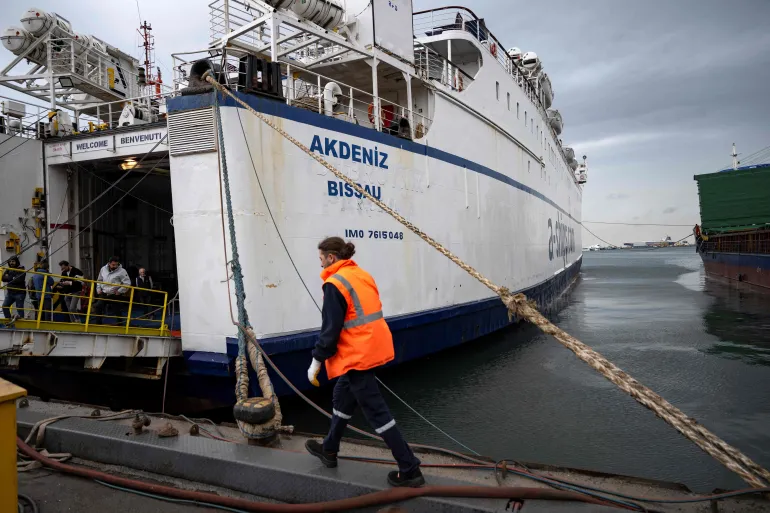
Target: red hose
pixel 372 499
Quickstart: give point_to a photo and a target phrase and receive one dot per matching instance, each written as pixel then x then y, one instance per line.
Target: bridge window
pixel 525 118
pixel 517 110
pixel 509 101
pixel 497 90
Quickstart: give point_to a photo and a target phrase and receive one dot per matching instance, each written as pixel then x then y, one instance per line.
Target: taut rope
pixel 519 306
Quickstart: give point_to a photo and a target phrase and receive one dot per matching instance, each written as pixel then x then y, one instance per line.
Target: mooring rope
pixel 251 431
pixel 519 306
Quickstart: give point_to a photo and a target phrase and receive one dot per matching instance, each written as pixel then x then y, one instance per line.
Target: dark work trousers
pixel 360 388
pixel 109 305
pixel 13 297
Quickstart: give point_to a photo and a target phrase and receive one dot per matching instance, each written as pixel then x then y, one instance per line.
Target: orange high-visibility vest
pixel 365 341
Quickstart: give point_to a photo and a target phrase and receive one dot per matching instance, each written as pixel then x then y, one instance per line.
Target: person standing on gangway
pixel 15 289
pixel 111 289
pixel 69 289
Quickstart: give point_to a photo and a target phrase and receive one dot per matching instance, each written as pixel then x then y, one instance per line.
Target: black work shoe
pixel 411 479
pixel 329 459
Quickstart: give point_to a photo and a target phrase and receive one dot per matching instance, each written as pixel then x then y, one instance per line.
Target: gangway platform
pixel 99 328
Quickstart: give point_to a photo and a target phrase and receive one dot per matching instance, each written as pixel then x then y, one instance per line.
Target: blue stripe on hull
pixel 742 269
pixel 414 336
pixel 758 261
pixel 280 109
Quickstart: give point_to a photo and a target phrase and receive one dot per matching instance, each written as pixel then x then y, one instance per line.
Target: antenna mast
pixel 152 73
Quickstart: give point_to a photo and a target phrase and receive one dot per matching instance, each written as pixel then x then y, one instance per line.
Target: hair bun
pixel 350 250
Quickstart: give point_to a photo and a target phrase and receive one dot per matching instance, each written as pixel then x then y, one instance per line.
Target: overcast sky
pixel 652 91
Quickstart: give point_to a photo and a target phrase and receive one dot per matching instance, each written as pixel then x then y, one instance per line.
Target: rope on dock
pixel 251 431
pixel 520 307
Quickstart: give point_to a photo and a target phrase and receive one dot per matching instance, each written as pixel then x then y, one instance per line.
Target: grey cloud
pixel 670 210
pixel 617 196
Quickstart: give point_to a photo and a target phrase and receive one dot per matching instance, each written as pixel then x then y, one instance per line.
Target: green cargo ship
pixel 734 236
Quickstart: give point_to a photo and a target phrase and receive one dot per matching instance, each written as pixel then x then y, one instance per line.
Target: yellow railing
pixel 99 307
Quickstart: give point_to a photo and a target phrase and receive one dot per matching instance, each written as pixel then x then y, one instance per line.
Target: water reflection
pixel 741 321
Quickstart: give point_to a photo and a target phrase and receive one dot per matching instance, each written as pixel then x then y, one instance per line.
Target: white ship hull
pixel 477 166
pixel 473 189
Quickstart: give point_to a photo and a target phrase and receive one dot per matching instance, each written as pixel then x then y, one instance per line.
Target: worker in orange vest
pixel 354 341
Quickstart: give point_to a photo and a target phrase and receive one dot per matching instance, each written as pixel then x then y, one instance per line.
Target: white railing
pixel 353 105
pixel 106 115
pixel 67 57
pixel 226 16
pixel 305 89
pixel 91 116
pixel 433 67
pixel 28 124
pixel 436 21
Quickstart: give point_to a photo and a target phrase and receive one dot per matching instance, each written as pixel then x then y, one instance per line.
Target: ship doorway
pixel 132 220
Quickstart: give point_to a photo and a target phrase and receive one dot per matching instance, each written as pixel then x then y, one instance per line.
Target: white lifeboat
pixel 531 63
pixel 16 40
pixel 545 90
pixel 573 164
pixel 85 43
pixel 82 43
pixel 515 54
pixel 327 14
pixel 554 119
pixel 569 153
pixel 37 22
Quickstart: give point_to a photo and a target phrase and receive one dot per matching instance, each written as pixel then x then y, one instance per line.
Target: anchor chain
pixel 520 307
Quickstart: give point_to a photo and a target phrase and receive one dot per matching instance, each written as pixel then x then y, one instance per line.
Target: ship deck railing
pixel 24 119
pixel 304 88
pixel 433 22
pixel 756 242
pixel 90 117
pixel 101 115
pixel 132 311
pixel 433 67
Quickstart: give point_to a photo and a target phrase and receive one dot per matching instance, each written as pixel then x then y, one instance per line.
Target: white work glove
pixel 312 372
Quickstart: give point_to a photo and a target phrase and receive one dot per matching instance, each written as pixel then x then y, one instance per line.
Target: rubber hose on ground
pixel 372 499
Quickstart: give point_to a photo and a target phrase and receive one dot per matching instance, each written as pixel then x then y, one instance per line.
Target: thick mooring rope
pixel 519 306
pixel 241 363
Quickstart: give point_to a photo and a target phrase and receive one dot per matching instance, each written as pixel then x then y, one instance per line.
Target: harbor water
pixel 519 394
